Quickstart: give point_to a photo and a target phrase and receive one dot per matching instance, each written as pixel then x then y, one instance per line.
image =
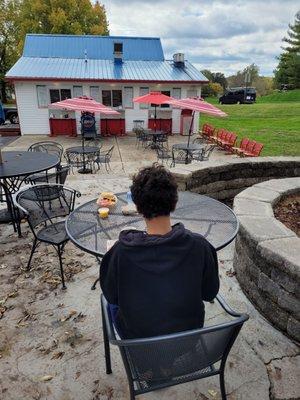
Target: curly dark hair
pixel 154 191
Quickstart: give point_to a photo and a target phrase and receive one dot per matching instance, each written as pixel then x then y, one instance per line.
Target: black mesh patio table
pixel 17 165
pixel 200 214
pixel 83 156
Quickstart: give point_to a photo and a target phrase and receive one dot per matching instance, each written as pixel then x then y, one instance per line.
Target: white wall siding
pixel 33 120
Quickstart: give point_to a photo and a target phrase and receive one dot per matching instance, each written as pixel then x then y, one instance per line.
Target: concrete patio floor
pixel 51 344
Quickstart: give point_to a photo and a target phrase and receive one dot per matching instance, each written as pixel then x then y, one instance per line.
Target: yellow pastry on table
pixel 103 212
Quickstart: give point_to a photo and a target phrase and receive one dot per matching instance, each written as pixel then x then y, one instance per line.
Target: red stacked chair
pixel 219 135
pixel 207 130
pixel 229 141
pixel 255 151
pixel 242 147
pixel 249 147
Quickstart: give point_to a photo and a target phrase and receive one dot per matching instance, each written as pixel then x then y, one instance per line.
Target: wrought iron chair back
pixel 180 157
pixel 157 362
pixel 59 176
pixel 45 207
pixel 48 147
pixel 163 155
pixel 44 203
pixel 208 151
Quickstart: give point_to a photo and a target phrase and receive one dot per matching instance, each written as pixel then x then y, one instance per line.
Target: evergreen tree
pixel 288 69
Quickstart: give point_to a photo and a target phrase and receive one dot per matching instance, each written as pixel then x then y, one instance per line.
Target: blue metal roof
pixel 96 47
pixel 79 69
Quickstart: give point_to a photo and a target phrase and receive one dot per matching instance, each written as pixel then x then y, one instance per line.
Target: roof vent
pixel 118 52
pixel 178 59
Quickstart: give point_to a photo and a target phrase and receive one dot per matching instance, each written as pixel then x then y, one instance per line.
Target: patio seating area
pixel 53 339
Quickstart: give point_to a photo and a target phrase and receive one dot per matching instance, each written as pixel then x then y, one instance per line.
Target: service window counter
pixel 62 123
pixel 114 125
pixel 163 120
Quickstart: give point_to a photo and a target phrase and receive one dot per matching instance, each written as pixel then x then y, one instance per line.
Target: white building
pixel 112 70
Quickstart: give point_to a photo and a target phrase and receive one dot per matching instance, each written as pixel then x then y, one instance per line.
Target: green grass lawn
pixel 273 120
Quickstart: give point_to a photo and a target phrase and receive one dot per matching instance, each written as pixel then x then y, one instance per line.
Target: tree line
pixel 18 17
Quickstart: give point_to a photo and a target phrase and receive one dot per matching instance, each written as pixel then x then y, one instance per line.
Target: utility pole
pixel 247 79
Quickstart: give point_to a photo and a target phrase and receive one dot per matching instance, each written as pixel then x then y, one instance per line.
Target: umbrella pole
pixel 190 132
pixel 83 170
pixel 191 127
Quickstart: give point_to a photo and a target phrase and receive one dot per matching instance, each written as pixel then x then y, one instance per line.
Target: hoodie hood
pixel 157 253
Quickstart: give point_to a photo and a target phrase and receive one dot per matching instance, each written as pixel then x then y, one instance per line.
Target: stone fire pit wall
pixel 267 254
pixel 225 179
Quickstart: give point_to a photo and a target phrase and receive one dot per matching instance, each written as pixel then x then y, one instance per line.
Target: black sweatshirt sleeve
pixel 109 276
pixel 210 282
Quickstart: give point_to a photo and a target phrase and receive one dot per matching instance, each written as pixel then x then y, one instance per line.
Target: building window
pixel 117 98
pixel 118 47
pixel 77 91
pixel 95 93
pixel 176 93
pixel 106 97
pixel 167 93
pixel 192 93
pixel 59 94
pixel 143 92
pixel 42 98
pixel 112 98
pixel 128 97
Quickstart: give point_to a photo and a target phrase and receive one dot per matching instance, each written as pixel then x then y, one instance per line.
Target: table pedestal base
pixel 85 171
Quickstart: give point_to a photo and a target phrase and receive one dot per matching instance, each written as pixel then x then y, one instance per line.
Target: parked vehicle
pixel 8 113
pixel 238 95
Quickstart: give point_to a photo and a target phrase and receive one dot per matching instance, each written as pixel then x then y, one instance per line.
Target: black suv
pixel 238 95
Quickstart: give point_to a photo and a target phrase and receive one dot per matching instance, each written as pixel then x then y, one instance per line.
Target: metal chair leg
pixel 222 385
pixel 106 347
pixel 31 254
pixel 60 249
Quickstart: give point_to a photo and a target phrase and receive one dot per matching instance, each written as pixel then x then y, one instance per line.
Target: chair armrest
pixel 226 307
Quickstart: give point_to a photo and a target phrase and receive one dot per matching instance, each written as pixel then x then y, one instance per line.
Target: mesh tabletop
pixel 81 150
pixel 21 163
pixel 200 214
pixel 185 146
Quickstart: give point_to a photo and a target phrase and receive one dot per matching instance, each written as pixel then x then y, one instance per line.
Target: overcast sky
pixel 218 35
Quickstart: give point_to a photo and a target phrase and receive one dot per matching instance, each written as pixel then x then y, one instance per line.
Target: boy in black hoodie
pixel 157 279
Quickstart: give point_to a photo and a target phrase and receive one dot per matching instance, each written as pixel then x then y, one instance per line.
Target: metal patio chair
pixel 45 207
pixel 104 158
pixel 48 147
pixel 180 157
pixel 164 155
pixel 162 361
pixel 12 212
pixel 203 154
pixel 162 140
pixel 59 176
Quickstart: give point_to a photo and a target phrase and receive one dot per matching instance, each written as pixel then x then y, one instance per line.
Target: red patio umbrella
pixel 155 98
pixel 197 104
pixel 84 104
